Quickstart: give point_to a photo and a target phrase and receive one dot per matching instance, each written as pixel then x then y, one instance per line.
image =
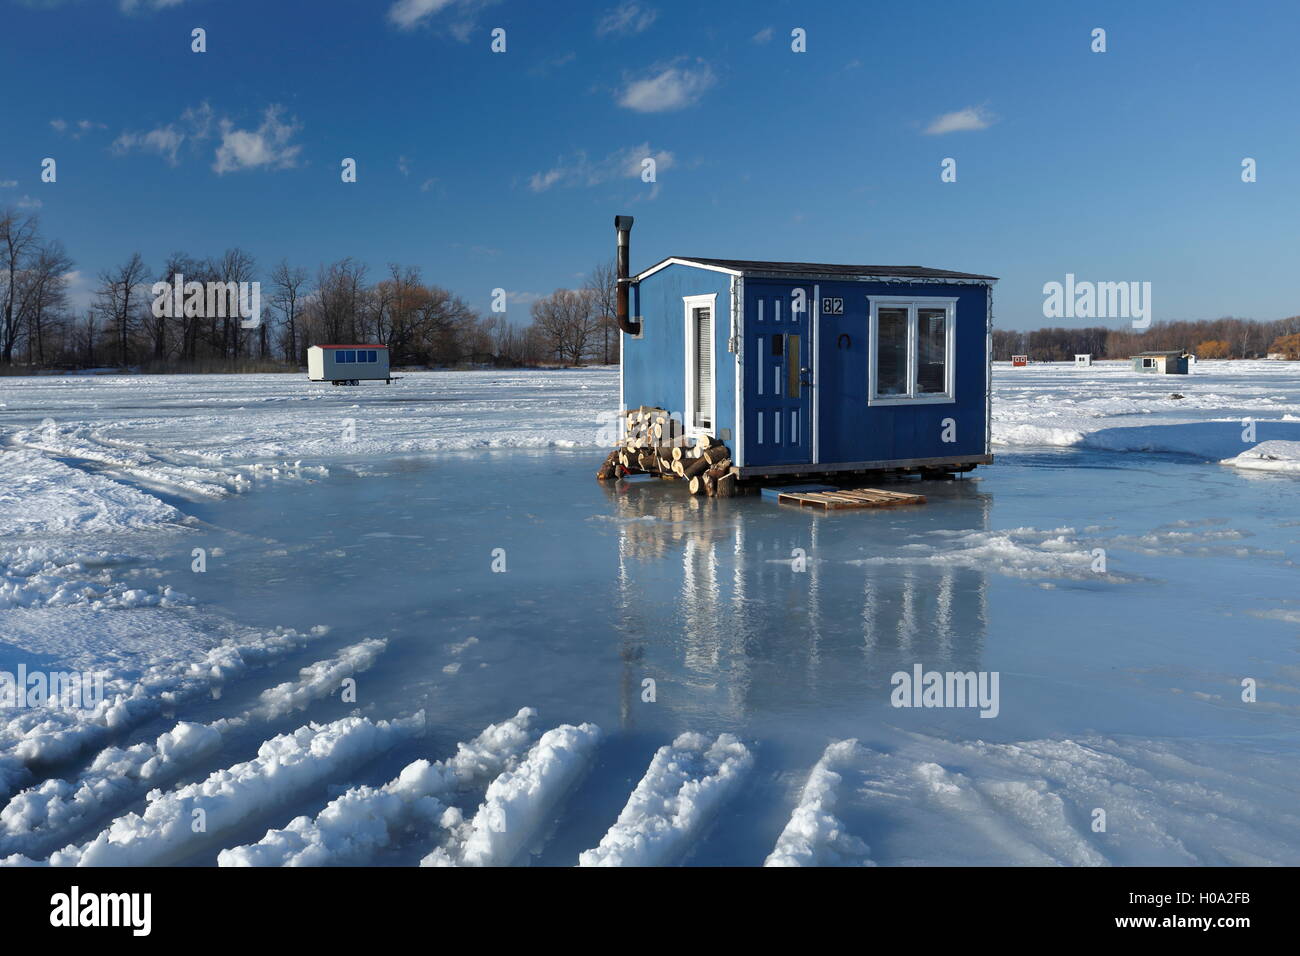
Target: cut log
pixel 697 466
pixel 697 485
pixel 715 453
pixel 726 486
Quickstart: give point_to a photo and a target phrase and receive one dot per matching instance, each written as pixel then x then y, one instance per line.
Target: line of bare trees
pixel 421 323
pixel 1209 338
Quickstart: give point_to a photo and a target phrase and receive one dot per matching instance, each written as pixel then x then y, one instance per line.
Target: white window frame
pixel 690 303
pixel 913 303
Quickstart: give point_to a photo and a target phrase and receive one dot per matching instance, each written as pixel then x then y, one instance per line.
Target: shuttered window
pixel 703 350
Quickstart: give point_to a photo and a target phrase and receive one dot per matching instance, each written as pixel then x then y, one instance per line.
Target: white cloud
pixel 403 165
pixel 27 202
pixel 627 19
pixel 267 147
pixel 971 118
pixel 670 88
pixel 167 140
pixel 579 170
pixel 409 14
pixel 8 183
pixel 136 6
pixel 763 36
pixel 79 129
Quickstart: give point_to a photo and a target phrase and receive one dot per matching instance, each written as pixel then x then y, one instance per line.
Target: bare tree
pixel 44 295
pixel 18 239
pixel 289 290
pixel 567 320
pixel 117 299
pixel 603 286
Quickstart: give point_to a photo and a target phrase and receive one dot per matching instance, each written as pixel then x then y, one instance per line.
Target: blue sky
pixel 504 170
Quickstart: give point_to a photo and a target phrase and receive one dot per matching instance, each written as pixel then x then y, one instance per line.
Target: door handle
pixel 805 376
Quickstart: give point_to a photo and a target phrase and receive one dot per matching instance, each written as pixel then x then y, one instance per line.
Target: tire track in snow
pixel 814 836
pixel 518 804
pixel 53 810
pixel 685 784
pixel 365 819
pixel 284 767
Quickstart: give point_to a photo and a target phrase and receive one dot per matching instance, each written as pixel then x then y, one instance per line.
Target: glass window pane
pixel 932 357
pixel 891 352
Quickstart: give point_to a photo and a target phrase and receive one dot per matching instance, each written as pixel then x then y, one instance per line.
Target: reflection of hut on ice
pixel 710 598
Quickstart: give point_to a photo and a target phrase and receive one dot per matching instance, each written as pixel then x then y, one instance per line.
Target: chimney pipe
pixel 623 225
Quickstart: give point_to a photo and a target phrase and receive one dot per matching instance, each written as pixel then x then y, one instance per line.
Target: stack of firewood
pixel 655 443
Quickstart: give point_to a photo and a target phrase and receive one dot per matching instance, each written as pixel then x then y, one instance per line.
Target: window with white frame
pixel 700 390
pixel 911 357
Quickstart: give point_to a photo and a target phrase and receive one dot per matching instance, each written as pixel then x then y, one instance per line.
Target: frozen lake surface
pixel 1118 577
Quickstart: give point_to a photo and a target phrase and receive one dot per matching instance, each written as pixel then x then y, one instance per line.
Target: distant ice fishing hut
pixel 1083 361
pixel 1161 363
pixel 348 364
pixel 778 369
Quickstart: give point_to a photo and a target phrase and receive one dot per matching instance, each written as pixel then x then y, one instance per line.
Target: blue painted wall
pixel 850 430
pixel 654 365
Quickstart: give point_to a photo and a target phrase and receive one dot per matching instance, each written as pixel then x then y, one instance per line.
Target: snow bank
pixel 35 816
pixel 316 681
pixel 53 577
pixel 1281 456
pixel 41 496
pixel 48 736
pixel 284 767
pixel 683 787
pixel 366 819
pixel 519 802
pixel 815 836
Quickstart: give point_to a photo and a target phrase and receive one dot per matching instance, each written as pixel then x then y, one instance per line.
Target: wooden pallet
pixel 850 498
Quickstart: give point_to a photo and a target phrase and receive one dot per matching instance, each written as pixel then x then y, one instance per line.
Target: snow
pixel 173 823
pixel 520 801
pixel 683 788
pixel 1108 406
pixel 815 836
pixel 48 736
pixel 117 775
pixel 1280 456
pixel 366 819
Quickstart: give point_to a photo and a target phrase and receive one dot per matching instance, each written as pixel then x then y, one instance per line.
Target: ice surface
pixel 1122 582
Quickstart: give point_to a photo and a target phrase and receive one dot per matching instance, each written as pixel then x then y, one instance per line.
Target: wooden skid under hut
pixel 654 443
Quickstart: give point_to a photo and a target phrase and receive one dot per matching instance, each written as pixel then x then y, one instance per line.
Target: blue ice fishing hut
pixel 811 368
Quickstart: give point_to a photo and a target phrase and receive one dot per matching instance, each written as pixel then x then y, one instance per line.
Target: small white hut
pixel 1083 361
pixel 348 364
